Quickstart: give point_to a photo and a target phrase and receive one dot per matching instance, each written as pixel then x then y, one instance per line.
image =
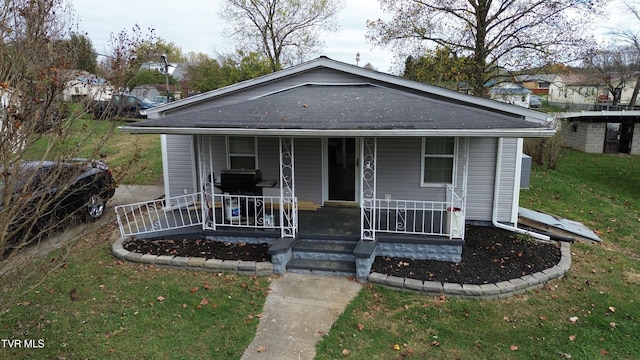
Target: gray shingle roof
pixel 342 107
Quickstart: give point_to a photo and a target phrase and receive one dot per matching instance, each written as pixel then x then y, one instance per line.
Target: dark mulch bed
pixel 489 255
pixel 209 249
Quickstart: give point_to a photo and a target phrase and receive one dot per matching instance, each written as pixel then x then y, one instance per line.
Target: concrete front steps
pixel 332 256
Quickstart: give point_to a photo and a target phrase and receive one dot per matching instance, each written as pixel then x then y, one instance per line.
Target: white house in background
pixel 84 85
pixel 511 93
pixel 581 91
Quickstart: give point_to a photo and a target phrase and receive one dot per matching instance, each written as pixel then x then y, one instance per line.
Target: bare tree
pixel 614 67
pixel 507 34
pixel 283 30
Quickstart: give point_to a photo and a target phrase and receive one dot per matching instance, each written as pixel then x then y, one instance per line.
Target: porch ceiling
pixel 345 110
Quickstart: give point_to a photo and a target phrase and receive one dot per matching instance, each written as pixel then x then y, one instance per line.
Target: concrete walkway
pixel 299 309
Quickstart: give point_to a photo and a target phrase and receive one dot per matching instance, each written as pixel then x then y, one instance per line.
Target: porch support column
pixel 368 151
pixel 288 201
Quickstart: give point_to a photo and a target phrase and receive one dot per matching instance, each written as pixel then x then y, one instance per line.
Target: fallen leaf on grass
pixel 160 298
pixel 360 327
pixel 204 302
pixel 206 286
pixel 573 319
pixel 513 348
pixel 346 352
pixel 396 347
pixel 572 337
pixel 194 289
pixel 435 343
pixel 604 352
pixel 612 309
pixel 613 325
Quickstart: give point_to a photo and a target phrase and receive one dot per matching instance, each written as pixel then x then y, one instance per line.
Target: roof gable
pixel 327 97
pixel 367 75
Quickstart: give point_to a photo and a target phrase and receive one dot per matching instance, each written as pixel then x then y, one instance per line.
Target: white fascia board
pixel 513 133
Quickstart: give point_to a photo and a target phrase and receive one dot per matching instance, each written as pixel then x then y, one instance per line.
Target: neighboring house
pixel 510 93
pixel 576 91
pixel 178 71
pixel 602 131
pixel 152 90
pixel 538 83
pixel 84 85
pixel 585 92
pixel 415 161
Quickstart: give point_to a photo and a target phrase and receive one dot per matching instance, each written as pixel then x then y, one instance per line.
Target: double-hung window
pixel 242 152
pixel 438 154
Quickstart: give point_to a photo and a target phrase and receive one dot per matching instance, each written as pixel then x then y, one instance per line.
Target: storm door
pixel 341 164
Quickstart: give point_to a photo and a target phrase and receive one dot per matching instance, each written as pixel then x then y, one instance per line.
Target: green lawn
pixel 592 313
pixel 134 159
pixel 94 306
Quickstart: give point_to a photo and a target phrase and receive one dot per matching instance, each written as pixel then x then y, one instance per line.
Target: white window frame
pixel 424 155
pixel 254 155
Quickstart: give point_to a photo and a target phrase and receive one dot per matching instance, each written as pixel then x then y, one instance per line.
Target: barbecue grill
pixel 241 182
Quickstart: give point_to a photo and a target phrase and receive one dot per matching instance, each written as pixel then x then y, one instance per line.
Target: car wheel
pixel 95 207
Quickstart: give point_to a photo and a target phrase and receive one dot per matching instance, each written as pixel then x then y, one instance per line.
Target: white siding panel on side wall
pixel 480 181
pixel 179 165
pixel 507 177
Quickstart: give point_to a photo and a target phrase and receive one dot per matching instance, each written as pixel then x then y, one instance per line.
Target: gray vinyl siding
pixel 180 165
pixel 308 169
pixel 399 169
pixel 481 179
pixel 214 147
pixel 307 162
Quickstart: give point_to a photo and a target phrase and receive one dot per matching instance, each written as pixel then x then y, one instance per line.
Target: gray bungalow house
pixel 324 153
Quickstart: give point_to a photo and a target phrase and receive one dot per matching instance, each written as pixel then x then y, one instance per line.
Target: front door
pixel 341 165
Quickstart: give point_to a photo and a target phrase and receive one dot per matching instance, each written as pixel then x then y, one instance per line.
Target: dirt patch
pixel 489 255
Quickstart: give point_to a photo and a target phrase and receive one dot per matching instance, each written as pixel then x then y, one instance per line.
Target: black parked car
pixel 121 105
pixel 46 191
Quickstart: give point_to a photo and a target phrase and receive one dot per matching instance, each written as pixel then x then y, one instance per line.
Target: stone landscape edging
pixel 501 290
pixel 257 268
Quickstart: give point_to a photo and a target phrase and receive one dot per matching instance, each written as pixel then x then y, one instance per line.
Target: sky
pixel 194 25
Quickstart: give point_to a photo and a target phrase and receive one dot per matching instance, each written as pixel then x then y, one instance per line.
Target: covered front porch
pixel 422 211
pixel 369 225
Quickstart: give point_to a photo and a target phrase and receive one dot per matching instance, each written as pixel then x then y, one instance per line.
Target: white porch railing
pixel 411 217
pixel 235 211
pixel 158 215
pixel 258 212
pixel 439 218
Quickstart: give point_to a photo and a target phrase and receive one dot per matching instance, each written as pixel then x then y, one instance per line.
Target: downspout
pixel 494 214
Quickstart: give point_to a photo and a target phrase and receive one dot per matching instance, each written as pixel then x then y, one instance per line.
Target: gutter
pixel 496 188
pixel 512 133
